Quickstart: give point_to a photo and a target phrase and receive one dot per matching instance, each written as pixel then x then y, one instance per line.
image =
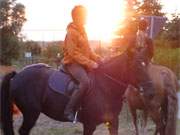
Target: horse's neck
pixel 111 77
pixel 117 67
pixel 105 95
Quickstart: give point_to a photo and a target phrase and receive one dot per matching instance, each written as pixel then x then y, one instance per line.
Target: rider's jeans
pixel 80 74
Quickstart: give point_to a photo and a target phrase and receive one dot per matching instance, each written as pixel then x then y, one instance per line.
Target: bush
pixel 52 54
pixel 169 57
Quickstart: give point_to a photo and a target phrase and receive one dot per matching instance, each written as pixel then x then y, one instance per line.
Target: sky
pixel 47 19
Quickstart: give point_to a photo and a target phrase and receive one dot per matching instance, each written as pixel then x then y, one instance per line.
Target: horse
pixel 163 109
pixel 30 91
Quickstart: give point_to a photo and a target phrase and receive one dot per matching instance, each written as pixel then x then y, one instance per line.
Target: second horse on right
pixel 163 110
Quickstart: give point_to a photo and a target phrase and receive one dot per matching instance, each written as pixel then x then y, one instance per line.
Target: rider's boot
pixel 72 105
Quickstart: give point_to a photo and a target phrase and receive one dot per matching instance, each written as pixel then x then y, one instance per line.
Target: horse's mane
pixel 117 66
pixel 115 61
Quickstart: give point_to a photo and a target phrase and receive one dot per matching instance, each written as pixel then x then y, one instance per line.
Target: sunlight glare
pixel 103 19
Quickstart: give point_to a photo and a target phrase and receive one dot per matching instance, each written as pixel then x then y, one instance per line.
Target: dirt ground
pixel 47 126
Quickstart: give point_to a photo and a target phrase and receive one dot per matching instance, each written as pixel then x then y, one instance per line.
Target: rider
pixel 78 57
pixel 142 49
pixel 143 42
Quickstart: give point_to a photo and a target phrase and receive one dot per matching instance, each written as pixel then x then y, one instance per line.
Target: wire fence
pixel 43 34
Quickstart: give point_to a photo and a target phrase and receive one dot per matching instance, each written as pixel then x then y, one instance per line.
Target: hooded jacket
pixel 76 47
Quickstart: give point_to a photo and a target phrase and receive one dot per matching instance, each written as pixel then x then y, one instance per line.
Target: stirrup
pixel 75 118
pixel 141 90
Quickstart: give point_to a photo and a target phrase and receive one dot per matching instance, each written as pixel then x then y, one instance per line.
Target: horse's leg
pixel 88 129
pixel 29 120
pixel 145 116
pixel 156 117
pixel 156 131
pixel 113 127
pixel 134 117
pixel 158 128
pixel 163 120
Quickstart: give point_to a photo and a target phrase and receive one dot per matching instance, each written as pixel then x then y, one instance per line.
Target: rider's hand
pixel 95 65
pixel 101 61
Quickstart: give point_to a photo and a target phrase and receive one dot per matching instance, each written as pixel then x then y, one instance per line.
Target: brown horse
pixel 163 110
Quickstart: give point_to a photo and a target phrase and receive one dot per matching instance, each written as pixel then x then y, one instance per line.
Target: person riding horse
pixel 78 57
pixel 141 51
pixel 143 42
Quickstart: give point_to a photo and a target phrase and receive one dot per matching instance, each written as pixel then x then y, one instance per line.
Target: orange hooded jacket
pixel 76 48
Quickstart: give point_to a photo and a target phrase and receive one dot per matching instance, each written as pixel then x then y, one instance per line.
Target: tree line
pixel 12 18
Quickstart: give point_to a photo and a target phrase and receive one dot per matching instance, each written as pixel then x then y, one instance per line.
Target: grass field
pixel 178 127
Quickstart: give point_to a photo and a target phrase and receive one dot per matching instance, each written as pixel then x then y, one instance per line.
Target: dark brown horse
pixel 163 109
pixel 31 93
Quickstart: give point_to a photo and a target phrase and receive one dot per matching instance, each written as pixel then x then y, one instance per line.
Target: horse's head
pixel 121 68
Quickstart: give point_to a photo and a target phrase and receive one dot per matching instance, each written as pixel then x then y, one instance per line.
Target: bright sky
pixel 47 19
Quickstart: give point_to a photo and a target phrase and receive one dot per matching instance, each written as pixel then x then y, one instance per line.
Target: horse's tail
pixel 172 107
pixel 6 105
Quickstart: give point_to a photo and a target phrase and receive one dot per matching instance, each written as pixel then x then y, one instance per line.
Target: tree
pixel 131 8
pixel 151 8
pixel 128 26
pixel 12 18
pixel 171 33
pixel 33 47
pixel 135 9
pixel 53 52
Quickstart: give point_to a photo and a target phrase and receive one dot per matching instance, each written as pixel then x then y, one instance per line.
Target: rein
pixel 115 80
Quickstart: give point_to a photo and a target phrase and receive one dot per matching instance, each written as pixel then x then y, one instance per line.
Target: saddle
pixel 61 81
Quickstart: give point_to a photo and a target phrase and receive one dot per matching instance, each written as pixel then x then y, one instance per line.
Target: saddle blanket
pixel 62 83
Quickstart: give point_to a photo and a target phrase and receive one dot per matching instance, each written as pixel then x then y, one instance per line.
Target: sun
pixel 103 19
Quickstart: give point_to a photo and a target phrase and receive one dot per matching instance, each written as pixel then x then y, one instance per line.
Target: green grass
pixel 178 127
pixel 168 57
pixel 64 131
